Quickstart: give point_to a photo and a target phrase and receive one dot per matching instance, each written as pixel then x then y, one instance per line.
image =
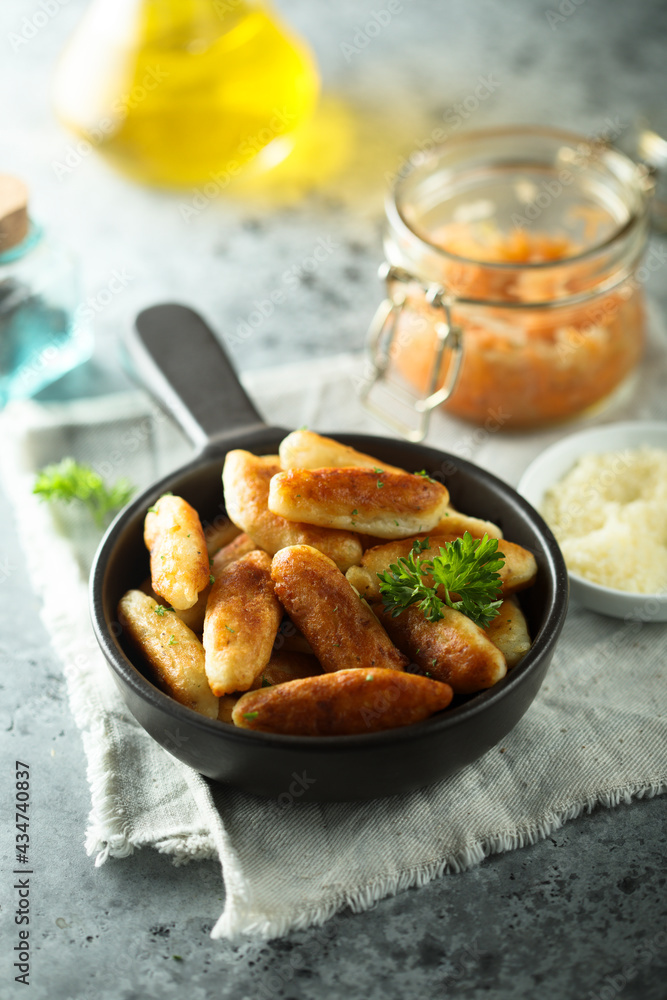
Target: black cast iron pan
pixel 185 368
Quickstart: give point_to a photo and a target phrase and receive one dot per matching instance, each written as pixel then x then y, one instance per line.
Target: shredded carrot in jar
pixel 523 366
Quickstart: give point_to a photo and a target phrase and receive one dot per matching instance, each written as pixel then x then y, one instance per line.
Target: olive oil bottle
pixel 181 92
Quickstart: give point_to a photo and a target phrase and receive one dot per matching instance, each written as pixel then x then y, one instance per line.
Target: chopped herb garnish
pixel 379 484
pixel 465 573
pixel 379 471
pixel 396 523
pixel 369 677
pixel 355 511
pixel 424 474
pixel 211 579
pixel 159 609
pixel 265 683
pixel 250 715
pixel 173 641
pixel 152 510
pixel 229 629
pixel 69 480
pixel 433 662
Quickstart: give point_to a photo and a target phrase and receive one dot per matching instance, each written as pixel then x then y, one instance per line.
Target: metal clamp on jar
pixel 514 292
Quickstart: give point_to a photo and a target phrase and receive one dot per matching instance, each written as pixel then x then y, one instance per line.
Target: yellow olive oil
pixel 181 92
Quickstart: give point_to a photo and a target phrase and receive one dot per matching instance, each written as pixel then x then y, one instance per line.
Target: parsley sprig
pixel 465 574
pixel 69 480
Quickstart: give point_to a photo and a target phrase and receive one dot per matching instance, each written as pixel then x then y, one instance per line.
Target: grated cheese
pixel 609 514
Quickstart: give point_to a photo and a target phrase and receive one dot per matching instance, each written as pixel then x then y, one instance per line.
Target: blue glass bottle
pixel 41 334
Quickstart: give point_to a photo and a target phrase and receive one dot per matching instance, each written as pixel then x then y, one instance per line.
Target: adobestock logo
pixel 264 308
pixel 32 25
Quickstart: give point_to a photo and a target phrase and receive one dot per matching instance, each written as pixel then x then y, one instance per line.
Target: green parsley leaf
pixel 369 677
pixel 159 609
pixel 250 715
pixel 69 480
pixel 265 683
pixel 230 629
pixel 424 474
pixel 379 471
pixel 355 511
pixel 211 579
pixel 379 484
pixel 465 574
pixel 173 641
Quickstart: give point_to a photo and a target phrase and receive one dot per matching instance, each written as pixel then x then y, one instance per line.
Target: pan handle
pixel 185 368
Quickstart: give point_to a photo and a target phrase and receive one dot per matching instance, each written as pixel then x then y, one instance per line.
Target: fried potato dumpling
pixel 173 652
pixel 194 617
pixel 290 639
pixel 307 450
pixel 179 558
pixel 342 631
pixel 226 708
pixel 518 571
pixel 246 478
pixel 241 546
pixel 288 666
pixel 456 523
pixel 509 632
pixel 369 501
pixel 282 667
pixel 453 650
pixel 220 533
pixel 341 703
pixel 364 578
pixel 242 619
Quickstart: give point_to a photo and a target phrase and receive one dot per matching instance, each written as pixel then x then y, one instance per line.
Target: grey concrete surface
pixel 579 915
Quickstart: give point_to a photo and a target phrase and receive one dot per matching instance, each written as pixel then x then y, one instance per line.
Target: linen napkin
pixel 595 735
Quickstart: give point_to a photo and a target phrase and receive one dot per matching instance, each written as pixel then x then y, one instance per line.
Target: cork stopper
pixel 14 223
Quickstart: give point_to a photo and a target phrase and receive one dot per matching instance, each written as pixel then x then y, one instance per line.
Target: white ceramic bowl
pixel 554 463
